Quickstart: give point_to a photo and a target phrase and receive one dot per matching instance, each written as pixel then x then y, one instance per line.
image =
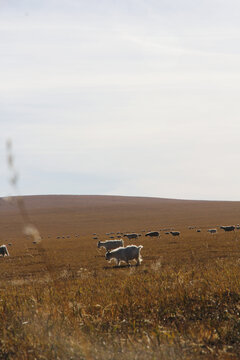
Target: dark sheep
pixel 153 234
pixel 228 228
pixel 131 236
pixel 175 233
pixel 212 231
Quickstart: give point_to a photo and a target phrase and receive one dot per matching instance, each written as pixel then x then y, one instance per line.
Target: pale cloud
pixel 124 97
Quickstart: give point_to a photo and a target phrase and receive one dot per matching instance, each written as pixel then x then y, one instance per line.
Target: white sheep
pixel 4 250
pixel 130 252
pixel 111 244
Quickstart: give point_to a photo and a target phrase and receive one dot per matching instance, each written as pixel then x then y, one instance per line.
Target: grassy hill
pixel 60 298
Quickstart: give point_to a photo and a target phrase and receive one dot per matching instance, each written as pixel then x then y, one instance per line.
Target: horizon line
pixel 111 195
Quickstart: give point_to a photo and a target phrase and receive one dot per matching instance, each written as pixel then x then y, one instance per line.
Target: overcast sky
pixel 121 97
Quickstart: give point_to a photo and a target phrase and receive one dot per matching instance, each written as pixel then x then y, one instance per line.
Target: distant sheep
pixel 152 233
pixel 228 228
pixel 131 252
pixel 110 244
pixel 175 233
pixel 212 231
pixel 132 236
pixel 4 250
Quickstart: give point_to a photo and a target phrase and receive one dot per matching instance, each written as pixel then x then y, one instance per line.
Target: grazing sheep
pixel 175 233
pixel 132 236
pixel 212 231
pixel 130 252
pixel 152 233
pixel 110 244
pixel 4 250
pixel 228 228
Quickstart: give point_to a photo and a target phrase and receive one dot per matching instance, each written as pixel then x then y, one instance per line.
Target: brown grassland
pixel 60 299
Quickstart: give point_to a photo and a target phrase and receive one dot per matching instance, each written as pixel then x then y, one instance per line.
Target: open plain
pixel 60 298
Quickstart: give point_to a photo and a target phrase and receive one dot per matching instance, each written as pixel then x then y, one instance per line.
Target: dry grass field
pixel 60 298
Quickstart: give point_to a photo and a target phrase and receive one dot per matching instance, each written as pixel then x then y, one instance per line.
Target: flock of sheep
pixel 115 249
pixel 225 228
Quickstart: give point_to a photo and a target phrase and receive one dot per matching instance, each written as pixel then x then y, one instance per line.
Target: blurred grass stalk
pixel 28 228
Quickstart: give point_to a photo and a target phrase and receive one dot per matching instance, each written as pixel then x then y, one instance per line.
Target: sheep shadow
pixel 120 266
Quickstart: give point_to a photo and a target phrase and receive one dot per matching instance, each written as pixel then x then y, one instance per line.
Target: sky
pixel 121 97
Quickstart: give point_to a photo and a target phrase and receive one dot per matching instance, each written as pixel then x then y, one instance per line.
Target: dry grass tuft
pixel 168 312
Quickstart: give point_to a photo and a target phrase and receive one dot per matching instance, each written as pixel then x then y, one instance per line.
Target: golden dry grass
pixel 60 299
